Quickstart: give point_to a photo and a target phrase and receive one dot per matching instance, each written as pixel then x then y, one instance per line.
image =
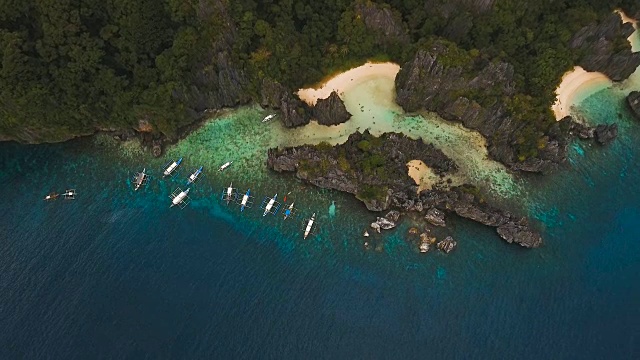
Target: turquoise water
pixel 117 274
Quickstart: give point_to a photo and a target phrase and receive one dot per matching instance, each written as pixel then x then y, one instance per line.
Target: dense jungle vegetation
pixel 71 66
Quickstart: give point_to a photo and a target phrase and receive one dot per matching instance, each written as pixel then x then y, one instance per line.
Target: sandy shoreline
pixel 344 81
pixel 575 86
pixel 578 83
pixel 424 177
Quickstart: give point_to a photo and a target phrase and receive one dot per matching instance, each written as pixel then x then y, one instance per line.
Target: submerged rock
pixel 633 99
pixel 435 217
pixel 426 241
pixel 447 245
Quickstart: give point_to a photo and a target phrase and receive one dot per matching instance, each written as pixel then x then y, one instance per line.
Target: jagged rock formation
pixel 606 48
pixel 435 217
pixel 633 99
pixel 272 93
pixel 331 111
pixel 347 168
pixel 294 111
pixel 447 245
pixel 382 20
pixel 605 134
pixel 430 82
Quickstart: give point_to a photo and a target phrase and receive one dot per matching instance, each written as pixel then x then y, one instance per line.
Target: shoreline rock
pixel 598 42
pixel 435 217
pixel 344 168
pixel 331 111
pixel 633 100
pixel 447 245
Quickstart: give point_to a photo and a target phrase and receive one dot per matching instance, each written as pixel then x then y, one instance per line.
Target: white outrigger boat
pixel 51 196
pixel 229 194
pixel 225 165
pixel 140 179
pixel 70 194
pixel 308 228
pixel 180 198
pixel 195 176
pixel 268 117
pixel 246 200
pixel 170 169
pixel 270 205
pixel 289 212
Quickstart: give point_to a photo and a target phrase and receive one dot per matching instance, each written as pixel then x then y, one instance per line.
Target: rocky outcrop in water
pixel 633 99
pixel 331 111
pixel 606 48
pixel 435 217
pixel 605 134
pixel 294 111
pixel 374 170
pixel 447 245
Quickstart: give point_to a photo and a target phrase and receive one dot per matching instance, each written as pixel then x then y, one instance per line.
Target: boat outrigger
pixel 171 169
pixel 307 230
pixel 180 198
pixel 225 165
pixel 268 117
pixel 246 200
pixel 70 194
pixel 140 179
pixel 229 194
pixel 195 176
pixel 289 212
pixel 51 196
pixel 270 205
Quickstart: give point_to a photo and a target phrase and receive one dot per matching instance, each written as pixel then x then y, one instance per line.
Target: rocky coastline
pixel 374 170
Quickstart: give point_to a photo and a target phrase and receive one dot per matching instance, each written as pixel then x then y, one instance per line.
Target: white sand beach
pixel 634 39
pixel 424 177
pixel 348 79
pixel 577 85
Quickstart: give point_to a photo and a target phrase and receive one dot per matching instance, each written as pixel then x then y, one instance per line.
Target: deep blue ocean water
pixel 117 274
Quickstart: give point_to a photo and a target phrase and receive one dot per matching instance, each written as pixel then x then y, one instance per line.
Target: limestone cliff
pixel 374 169
pixel 331 111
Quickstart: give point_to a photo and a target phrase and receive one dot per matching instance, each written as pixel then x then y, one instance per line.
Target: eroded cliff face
pixel 331 111
pixel 374 169
pixel 383 21
pixel 430 82
pixel 605 48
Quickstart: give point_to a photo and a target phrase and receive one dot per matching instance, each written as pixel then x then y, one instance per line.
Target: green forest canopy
pixel 71 66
